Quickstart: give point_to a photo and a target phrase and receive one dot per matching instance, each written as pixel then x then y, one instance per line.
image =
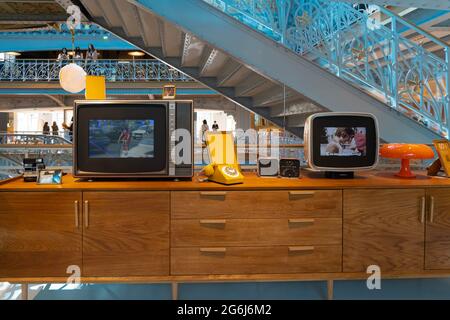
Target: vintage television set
pixel 133 139
pixel 341 143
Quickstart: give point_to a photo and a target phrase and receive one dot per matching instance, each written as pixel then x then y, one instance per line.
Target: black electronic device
pixel 31 167
pixel 290 168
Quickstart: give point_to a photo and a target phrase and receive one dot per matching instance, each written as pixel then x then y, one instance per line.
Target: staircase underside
pixel 243 65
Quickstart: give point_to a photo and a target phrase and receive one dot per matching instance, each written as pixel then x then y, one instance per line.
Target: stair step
pixel 252 85
pixel 150 32
pixel 274 95
pixel 212 62
pixel 232 73
pixel 295 107
pixel 192 51
pixel 171 40
pixel 129 16
pixel 298 120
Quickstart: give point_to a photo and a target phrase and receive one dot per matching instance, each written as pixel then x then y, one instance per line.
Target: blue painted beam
pixel 128 91
pixel 41 43
pixel 51 39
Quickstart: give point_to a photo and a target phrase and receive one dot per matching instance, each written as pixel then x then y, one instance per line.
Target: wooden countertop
pixel 309 180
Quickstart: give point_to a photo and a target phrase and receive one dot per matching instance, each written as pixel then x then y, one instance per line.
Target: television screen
pixel 343 141
pixel 121 138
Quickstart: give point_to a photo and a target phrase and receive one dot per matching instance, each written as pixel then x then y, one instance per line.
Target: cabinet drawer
pixel 256 260
pixel 256 232
pixel 253 205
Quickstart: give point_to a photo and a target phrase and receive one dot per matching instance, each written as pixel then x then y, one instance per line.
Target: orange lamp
pixel 406 152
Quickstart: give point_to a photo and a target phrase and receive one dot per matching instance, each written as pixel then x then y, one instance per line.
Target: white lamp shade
pixel 72 78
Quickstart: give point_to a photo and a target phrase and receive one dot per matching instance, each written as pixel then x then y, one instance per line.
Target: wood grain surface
pixel 437 246
pixel 38 234
pixel 256 232
pixel 309 180
pixel 251 260
pixel 253 205
pixel 127 233
pixel 383 227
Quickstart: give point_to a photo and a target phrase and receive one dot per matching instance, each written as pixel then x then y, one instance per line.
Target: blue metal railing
pixel 113 70
pixel 356 47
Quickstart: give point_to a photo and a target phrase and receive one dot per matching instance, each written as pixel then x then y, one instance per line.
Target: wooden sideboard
pixel 265 229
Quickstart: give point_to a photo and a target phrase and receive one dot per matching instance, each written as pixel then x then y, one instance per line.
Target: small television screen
pixel 341 141
pixel 124 138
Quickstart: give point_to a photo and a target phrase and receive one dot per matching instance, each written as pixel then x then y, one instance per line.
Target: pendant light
pixel 72 77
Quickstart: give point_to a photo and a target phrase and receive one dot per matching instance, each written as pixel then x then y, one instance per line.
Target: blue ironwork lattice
pixel 358 48
pixel 113 70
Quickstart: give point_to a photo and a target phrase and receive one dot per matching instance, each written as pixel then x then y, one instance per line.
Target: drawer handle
pixel 216 222
pixel 301 193
pixel 86 214
pixel 213 193
pixel 77 215
pixel 301 221
pixel 422 211
pixel 301 249
pixel 431 209
pixel 213 250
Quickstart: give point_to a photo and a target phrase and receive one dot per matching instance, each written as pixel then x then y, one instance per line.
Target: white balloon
pixel 72 78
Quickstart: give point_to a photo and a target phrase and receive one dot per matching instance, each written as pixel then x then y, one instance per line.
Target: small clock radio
pixel 290 168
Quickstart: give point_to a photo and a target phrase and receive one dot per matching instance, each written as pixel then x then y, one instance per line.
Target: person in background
pixel 69 128
pixel 91 60
pixel 46 128
pixel 124 140
pixel 78 55
pixel 63 55
pixel 92 53
pixel 215 126
pixel 55 129
pixel 204 129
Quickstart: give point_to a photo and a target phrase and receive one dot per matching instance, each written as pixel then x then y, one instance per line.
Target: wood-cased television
pixel 133 139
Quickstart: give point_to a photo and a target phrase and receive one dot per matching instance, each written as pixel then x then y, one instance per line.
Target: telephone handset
pixel 224 167
pixel 223 173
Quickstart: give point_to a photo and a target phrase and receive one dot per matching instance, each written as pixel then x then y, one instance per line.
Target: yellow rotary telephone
pixel 224 167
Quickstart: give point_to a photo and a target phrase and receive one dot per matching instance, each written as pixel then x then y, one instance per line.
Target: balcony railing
pixel 113 70
pixel 34 138
pixel 375 57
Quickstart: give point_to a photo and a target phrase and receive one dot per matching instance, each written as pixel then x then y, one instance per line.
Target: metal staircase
pixel 286 62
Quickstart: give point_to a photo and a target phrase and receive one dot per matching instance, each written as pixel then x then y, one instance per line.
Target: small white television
pixel 341 142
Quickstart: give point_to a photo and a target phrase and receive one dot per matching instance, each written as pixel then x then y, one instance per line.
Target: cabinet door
pixel 39 236
pixel 125 233
pixel 437 245
pixel 384 227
